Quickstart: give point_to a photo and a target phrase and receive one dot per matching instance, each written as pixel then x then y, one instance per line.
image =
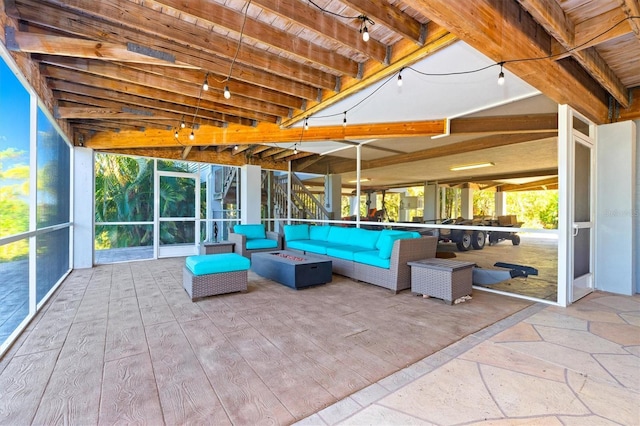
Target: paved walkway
pixel 544 365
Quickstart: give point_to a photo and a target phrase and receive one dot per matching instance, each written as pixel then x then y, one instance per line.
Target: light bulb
pixel 183 125
pixel 192 136
pixel 295 150
pixel 205 86
pixel 306 124
pixel 399 80
pixel 176 134
pixel 227 93
pixel 501 78
pixel 365 34
pixel 344 121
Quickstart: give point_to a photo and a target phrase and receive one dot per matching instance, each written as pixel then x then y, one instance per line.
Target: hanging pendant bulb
pixel 176 134
pixel 192 136
pixel 235 147
pixel 227 93
pixel 183 124
pixel 365 34
pixel 295 150
pixel 344 120
pixel 399 80
pixel 501 76
pixel 205 86
pixel 306 123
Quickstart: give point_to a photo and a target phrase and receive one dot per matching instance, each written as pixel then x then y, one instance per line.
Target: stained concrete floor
pixel 544 365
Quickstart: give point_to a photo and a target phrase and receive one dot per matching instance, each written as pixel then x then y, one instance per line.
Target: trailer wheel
pixel 465 242
pixel 493 238
pixel 478 239
pixel 515 239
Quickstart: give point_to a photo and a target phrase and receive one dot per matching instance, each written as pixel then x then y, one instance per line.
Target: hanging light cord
pixel 235 56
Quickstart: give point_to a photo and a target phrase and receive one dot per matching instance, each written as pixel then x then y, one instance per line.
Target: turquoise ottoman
pixel 211 274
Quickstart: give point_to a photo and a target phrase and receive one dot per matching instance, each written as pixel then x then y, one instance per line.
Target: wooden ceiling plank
pixel 268 133
pixel 264 33
pixel 313 19
pixel 79 48
pixel 179 104
pixel 601 28
pixel 165 80
pixel 501 31
pixel 550 15
pixel 123 15
pixel 178 88
pixel 381 11
pixel 632 8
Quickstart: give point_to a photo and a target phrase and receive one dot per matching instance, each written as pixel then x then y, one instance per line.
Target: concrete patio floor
pixel 544 365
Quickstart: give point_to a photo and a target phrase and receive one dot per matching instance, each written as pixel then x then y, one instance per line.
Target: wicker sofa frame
pixel 198 286
pixel 240 241
pixel 398 276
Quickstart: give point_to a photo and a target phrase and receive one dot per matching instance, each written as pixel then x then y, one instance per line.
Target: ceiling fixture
pixel 344 120
pixel 501 75
pixel 363 26
pixel 205 85
pixel 295 149
pixel 471 166
pixel 183 124
pixel 192 136
pixel 227 93
pixel 361 180
pixel 306 123
pixel 400 78
pixel 235 147
pixel 176 134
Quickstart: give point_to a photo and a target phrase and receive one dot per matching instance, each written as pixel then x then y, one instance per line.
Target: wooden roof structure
pixel 126 73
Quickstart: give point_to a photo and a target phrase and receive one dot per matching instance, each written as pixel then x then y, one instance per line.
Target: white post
pixel 83 208
pixel 466 205
pixel 250 194
pixel 501 202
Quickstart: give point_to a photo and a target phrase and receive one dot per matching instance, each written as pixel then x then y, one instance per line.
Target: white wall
pixel 616 258
pixel 83 208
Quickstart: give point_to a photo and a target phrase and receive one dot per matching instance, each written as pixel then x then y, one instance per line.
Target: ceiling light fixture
pixel 400 79
pixel 471 166
pixel 235 147
pixel 227 93
pixel 501 75
pixel 361 180
pixel 176 134
pixel 344 120
pixel 205 85
pixel 183 124
pixel 295 149
pixel 363 26
pixel 306 123
pixel 192 136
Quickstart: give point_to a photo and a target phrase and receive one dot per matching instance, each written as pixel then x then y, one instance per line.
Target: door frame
pixel 177 250
pixel 568 228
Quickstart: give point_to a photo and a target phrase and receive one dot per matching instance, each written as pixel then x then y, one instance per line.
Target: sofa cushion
pixel 345 252
pixel 250 231
pixel 386 246
pixel 364 237
pixel 385 232
pixel 319 232
pixel 339 234
pixel 311 246
pixel 296 232
pixel 261 243
pixel 372 257
pixel 216 263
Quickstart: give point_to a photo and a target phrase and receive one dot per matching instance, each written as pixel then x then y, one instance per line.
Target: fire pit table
pixel 292 269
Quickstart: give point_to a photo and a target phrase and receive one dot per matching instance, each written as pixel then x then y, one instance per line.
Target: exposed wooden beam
pixel 502 176
pixel 550 15
pixel 528 123
pixel 633 111
pixel 632 8
pixel 185 152
pixel 500 30
pixel 531 186
pixel 80 48
pixel 267 133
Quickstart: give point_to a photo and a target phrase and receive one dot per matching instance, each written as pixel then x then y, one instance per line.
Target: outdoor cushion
pixel 319 232
pixel 344 251
pixel 261 243
pixel 217 263
pixel 296 232
pixel 372 257
pixel 386 246
pixel 384 232
pixel 364 238
pixel 340 235
pixel 313 246
pixel 250 231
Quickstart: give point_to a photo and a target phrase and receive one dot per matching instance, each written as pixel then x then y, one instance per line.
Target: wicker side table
pixel 441 278
pixel 216 248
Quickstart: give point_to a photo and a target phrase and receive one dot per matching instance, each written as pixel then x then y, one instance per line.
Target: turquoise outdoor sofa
pixel 251 238
pixel 375 257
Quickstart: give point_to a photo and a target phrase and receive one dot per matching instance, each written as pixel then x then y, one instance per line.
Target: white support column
pixel 431 201
pixel 250 194
pixel 615 267
pixel 501 202
pixel 83 208
pixel 333 195
pixel 466 204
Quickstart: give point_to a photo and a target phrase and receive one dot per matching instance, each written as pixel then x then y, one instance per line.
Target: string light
pixel 205 85
pixel 295 149
pixel 344 120
pixel 227 93
pixel 501 75
pixel 192 136
pixel 306 123
pixel 183 124
pixel 400 78
pixel 235 147
pixel 363 26
pixel 176 134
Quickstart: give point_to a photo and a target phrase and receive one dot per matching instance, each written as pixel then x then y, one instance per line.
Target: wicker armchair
pixel 249 239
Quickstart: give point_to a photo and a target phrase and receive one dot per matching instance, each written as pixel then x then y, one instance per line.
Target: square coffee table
pixel 292 269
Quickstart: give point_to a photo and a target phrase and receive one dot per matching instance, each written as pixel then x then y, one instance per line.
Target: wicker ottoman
pixel 208 275
pixel 441 278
